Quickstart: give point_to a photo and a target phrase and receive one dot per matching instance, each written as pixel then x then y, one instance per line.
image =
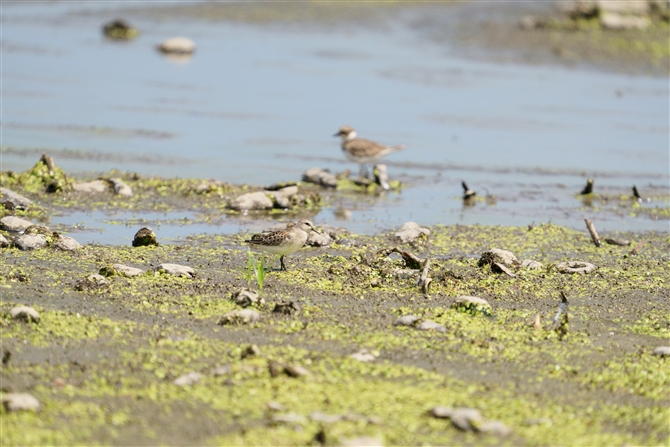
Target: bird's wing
pixel 360 147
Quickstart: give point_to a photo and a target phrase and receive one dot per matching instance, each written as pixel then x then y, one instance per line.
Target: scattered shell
pixel 121 188
pixel 472 305
pixel 321 177
pixel 92 282
pixel 188 379
pixel 246 297
pixel 28 242
pixel 66 243
pixel 406 320
pixel 428 325
pixel 176 270
pixel 411 231
pixel 120 270
pixel 144 237
pixel 243 316
pixel 575 267
pixel 177 45
pixel 92 187
pixel 13 223
pixel 286 308
pixel 19 202
pixel 20 402
pixel 530 264
pixel 503 257
pixel 663 351
pixel 25 313
pixel 364 355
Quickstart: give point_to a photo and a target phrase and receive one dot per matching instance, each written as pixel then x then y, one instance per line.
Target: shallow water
pixel 258 104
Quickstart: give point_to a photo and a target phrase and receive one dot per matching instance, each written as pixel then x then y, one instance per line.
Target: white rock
pixel 243 316
pixel 406 320
pixel 530 264
pixel 318 239
pixel 128 272
pixel 362 441
pixel 3 241
pixel 30 242
pixel 320 177
pixel 179 45
pixel 13 223
pixel 503 257
pixel 252 201
pixel 20 402
pixel 663 351
pixel 429 325
pixel 188 379
pixel 17 199
pixel 121 188
pixel 66 243
pixel 24 313
pixel 614 21
pixel 410 231
pixel 317 416
pixel 623 6
pixel 363 356
pixel 92 187
pixel 176 270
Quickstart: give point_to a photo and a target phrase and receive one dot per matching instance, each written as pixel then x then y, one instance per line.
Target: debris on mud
pixel 25 313
pixel 410 232
pixel 575 267
pixel 243 316
pixel 145 237
pixel 20 402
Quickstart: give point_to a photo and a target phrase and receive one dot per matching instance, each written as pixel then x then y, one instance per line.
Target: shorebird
pixel 363 151
pixel 588 189
pixel 283 242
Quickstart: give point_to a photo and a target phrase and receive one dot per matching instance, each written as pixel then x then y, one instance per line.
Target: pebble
pixel 246 298
pixel 121 188
pixel 28 242
pixel 20 402
pixel 364 356
pixel 92 282
pixel 92 187
pixel 17 199
pixel 411 231
pixel 320 177
pixel 319 239
pixel 66 243
pixel 176 270
pixel 317 416
pixel 530 264
pixel 362 441
pixel 575 267
pixel 429 325
pixel 188 379
pixel 252 201
pixel 222 370
pixel 663 351
pixel 121 270
pixel 177 45
pixel 13 223
pixel 3 241
pixel 614 241
pixel 503 257
pixel 144 237
pixel 472 304
pixel 25 313
pixel 287 308
pixel 243 316
pixel 406 320
pixel 496 428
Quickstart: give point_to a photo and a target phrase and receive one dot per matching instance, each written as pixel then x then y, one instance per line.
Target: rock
pixel 292 370
pixel 282 197
pixel 472 305
pixel 410 231
pixel 404 273
pixel 362 441
pixel 20 402
pixel 364 356
pixel 25 313
pixel 465 419
pixel 92 187
pixel 144 237
pixel 317 416
pixel 320 177
pixel 663 351
pixel 287 308
pixel 288 418
pixel 621 242
pixel 288 191
pixel 177 45
pixel 577 9
pixel 429 325
pixel 207 186
pixel 614 21
pixel 246 298
pixel 244 316
pixel 13 223
pixel 575 267
pixel 222 370
pixel 251 351
pixel 121 188
pixel 19 202
pixel 503 257
pixel 275 406
pixel 120 270
pixel 496 428
pixel 176 270
pixel 497 267
pixel 92 282
pixel 406 320
pixel 30 242
pixel 252 201
pixel 332 231
pixel 635 7
pixel 318 239
pixel 3 241
pixel 530 264
pixel 66 243
pixel 119 30
pixel 188 379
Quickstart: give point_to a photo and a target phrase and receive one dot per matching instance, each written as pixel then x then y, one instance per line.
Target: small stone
pixel 246 298
pixel 441 412
pixel 472 305
pixel 575 267
pixel 251 351
pixel 466 419
pixel 615 21
pixel 144 237
pixel 411 231
pixel 663 351
pixel 320 177
pixel 295 370
pixel 406 320
pixel 286 308
pixel 176 270
pixel 29 242
pixel 121 270
pixel 275 368
pixel 404 273
pixel 3 241
pixel 20 402
pixel 222 370
pixel 177 45
pixel 614 241
pixel 317 416
pixel 429 325
pixel 13 223
pixel 66 243
pixel 288 418
pixel 496 428
pixel 121 188
pixel 364 356
pixel 243 316
pixel 319 239
pixel 252 201
pixel 530 264
pixel 497 267
pixel 92 282
pixel 25 313
pixel 188 379
pixel 19 202
pixel 503 257
pixel 275 406
pixel 362 441
pixel 92 187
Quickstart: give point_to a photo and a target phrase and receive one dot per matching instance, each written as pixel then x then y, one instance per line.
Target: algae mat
pixel 103 361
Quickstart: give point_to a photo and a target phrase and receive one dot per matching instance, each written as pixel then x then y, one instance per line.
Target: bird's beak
pixel 315 230
pixel 336 134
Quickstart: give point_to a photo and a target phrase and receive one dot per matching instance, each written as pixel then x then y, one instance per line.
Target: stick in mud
pixel 560 323
pixel 424 281
pixel 638 247
pixel 594 233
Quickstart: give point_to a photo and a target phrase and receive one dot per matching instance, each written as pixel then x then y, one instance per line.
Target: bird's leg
pixel 363 171
pixel 283 267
